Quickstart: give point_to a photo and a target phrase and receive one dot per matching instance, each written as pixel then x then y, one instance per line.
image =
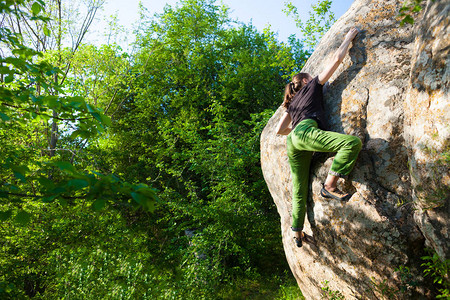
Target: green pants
pixel 305 139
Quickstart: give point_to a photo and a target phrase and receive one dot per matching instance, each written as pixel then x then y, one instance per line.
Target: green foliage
pixel 75 253
pixel 274 286
pixel 434 268
pixel 31 98
pixel 385 289
pixel 98 74
pixel 289 290
pixel 320 20
pixel 409 9
pixel 407 279
pixel 439 161
pixel 328 293
pixel 200 93
pixel 438 269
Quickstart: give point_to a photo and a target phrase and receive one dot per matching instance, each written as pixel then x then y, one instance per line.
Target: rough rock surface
pixel 392 92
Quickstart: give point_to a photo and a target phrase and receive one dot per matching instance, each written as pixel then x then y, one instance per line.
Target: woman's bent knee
pixel 355 143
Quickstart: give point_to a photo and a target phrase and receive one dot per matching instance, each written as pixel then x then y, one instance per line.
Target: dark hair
pixel 293 87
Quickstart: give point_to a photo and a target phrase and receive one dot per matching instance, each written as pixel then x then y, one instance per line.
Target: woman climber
pixel 303 100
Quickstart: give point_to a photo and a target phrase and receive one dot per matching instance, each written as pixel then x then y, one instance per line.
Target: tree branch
pixel 43 114
pixel 110 102
pixel 40 196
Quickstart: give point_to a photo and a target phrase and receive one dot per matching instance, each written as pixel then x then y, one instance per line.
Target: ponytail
pixel 293 87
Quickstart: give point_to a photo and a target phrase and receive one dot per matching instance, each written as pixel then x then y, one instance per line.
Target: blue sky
pixel 260 13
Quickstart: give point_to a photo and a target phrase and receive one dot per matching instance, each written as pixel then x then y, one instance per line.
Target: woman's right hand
pixel 339 56
pixel 351 33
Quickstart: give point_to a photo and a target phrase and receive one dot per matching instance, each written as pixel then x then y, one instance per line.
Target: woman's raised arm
pixel 338 56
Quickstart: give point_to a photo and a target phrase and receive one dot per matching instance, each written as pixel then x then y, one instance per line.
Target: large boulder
pixel 392 92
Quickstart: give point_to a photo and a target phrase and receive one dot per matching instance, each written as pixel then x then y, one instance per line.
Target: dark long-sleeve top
pixel 307 103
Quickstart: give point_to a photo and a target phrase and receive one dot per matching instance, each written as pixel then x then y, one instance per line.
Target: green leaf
pixel 99 204
pixel 417 8
pixel 106 120
pixel 47 31
pixel 9 78
pixel 20 176
pixel 78 183
pixel 97 116
pixel 58 190
pixel 90 109
pixel 36 99
pixel 23 217
pixel 139 198
pixel 52 101
pixel 43 118
pixel 76 102
pixel 407 19
pixel 45 182
pixel 14 61
pixel 36 8
pixel 4 70
pixel 75 134
pixel 147 202
pixel 4 117
pixel 64 165
pixel 48 198
pixel 19 172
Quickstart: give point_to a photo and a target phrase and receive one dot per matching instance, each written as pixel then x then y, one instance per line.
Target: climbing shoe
pixel 304 239
pixel 336 194
pixel 298 241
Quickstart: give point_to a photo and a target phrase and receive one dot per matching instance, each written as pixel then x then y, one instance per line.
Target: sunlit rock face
pixel 392 92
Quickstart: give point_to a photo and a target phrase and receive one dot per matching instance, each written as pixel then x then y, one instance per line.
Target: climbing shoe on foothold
pixel 298 241
pixel 336 194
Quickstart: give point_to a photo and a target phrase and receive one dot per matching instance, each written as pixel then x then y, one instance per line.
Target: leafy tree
pixel 30 97
pixel 57 28
pixel 198 101
pixel 320 20
pixel 29 177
